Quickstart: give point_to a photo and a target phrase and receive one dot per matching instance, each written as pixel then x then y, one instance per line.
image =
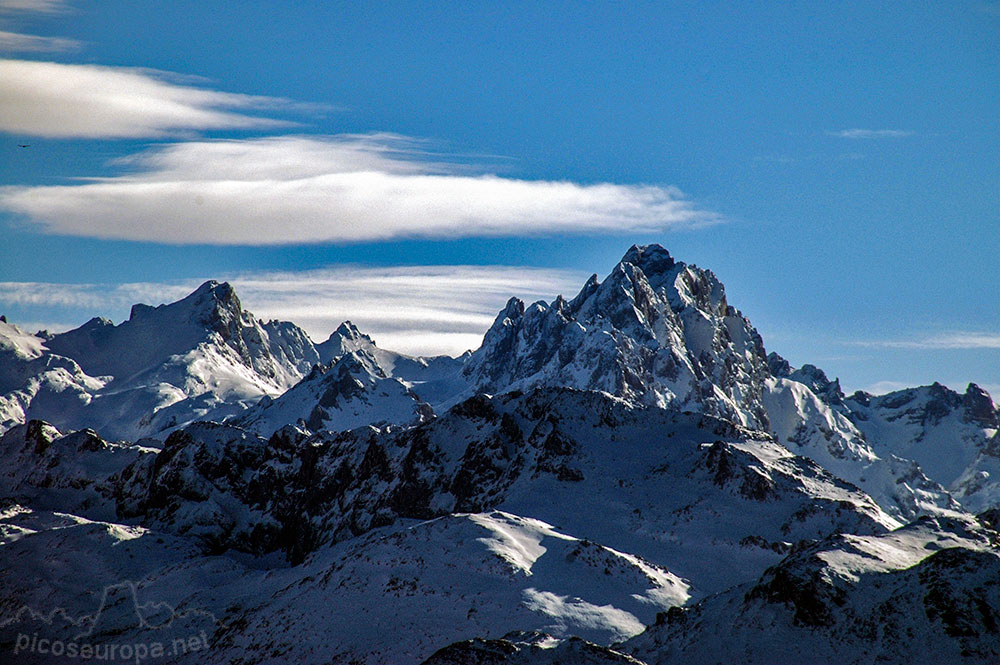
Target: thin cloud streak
pixel 57 100
pixel 33 6
pixel 871 133
pixel 301 190
pixel 948 340
pixel 20 43
pixel 416 309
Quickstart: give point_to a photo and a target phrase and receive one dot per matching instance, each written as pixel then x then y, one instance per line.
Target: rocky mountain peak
pixel 979 407
pixel 809 375
pixel 651 259
pixel 215 300
pixel 513 310
pixel 654 331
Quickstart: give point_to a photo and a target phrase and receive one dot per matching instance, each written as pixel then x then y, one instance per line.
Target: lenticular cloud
pixel 294 189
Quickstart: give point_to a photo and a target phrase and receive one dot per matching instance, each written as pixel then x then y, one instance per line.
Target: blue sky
pixel 835 164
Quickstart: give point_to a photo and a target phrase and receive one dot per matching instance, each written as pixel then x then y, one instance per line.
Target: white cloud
pixel 871 133
pixel 294 189
pixel 415 309
pixel 16 42
pixel 92 101
pixel 947 340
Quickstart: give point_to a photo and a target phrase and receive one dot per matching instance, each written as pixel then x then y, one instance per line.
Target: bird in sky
pixel 23 145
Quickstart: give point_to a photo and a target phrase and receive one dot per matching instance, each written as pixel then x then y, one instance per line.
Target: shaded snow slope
pixel 395 595
pixel 712 502
pixel 927 593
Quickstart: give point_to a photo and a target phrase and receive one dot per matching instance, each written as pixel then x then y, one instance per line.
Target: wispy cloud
pixel 883 387
pixel 871 133
pixel 92 101
pixel 415 309
pixel 947 340
pixel 33 6
pixel 294 189
pixel 20 43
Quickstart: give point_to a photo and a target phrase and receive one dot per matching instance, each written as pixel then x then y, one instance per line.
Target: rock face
pixel 528 648
pixel 624 477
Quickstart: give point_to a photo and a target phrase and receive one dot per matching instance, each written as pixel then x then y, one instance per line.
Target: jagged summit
pixel 655 331
pixel 350 391
pixel 348 329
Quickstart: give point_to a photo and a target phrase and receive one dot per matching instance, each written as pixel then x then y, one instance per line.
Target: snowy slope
pixel 32 377
pixel 434 582
pixel 425 584
pixel 950 436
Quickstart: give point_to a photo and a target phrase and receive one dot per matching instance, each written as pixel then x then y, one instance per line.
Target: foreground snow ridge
pixel 624 476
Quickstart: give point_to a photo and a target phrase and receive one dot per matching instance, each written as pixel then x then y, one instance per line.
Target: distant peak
pixel 349 331
pixel 220 290
pixel 212 296
pixel 651 259
pixel 347 328
pixel 98 322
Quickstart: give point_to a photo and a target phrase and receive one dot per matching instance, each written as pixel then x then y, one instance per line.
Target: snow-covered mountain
pixel 660 332
pixel 952 437
pixel 202 357
pixel 623 477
